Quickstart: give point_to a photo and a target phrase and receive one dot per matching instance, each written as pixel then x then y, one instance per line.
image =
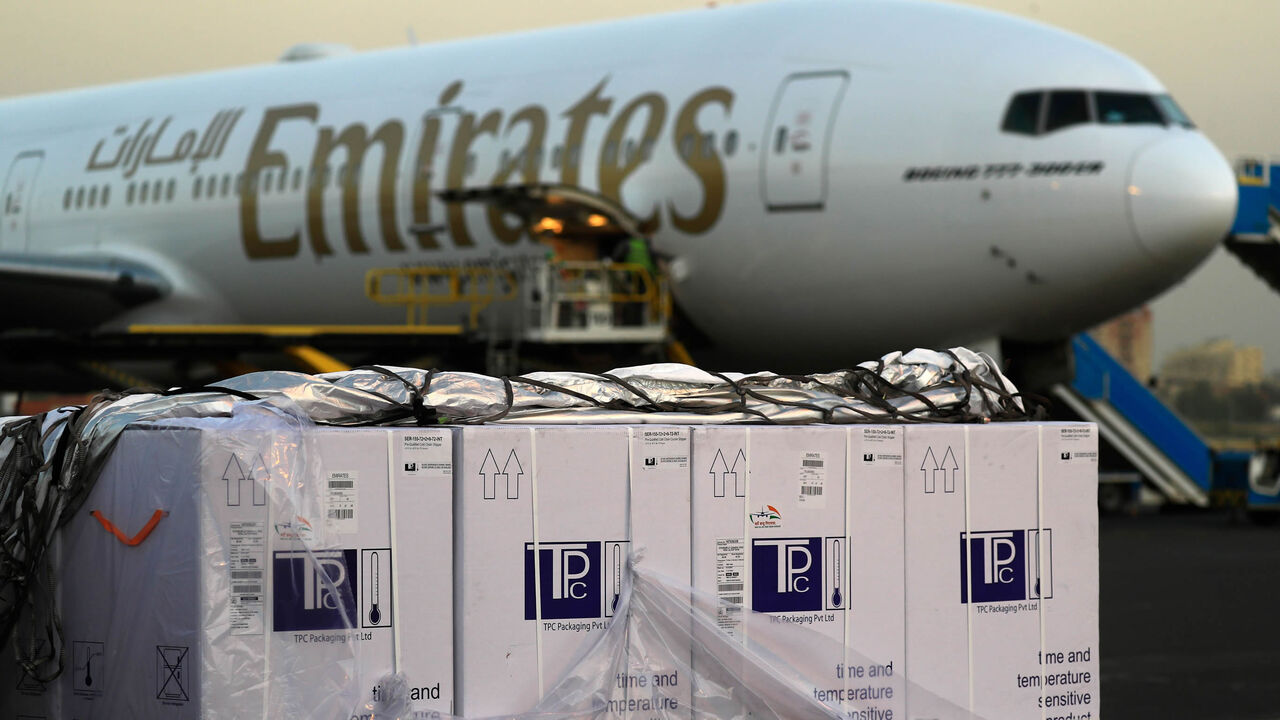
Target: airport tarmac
pixel 1189 617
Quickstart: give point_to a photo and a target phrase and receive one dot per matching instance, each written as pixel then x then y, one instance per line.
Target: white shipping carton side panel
pixel 876 625
pixel 937 621
pixel 370 497
pixel 581 492
pixel 719 517
pixel 495 647
pixel 660 534
pixel 422 591
pixel 798 549
pixel 541 541
pixel 1069 519
pixel 1005 578
pixel 719 551
pixel 357 558
pixel 770 532
pixel 132 621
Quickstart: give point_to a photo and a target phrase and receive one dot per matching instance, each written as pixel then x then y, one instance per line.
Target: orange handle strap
pixel 136 539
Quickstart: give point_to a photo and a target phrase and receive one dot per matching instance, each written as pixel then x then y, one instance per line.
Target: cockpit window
pixel 1117 108
pixel 1038 112
pixel 1023 115
pixel 1066 108
pixel 1172 112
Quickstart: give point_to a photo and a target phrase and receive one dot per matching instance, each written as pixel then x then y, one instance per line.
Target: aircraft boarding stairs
pixel 1255 234
pixel 1133 421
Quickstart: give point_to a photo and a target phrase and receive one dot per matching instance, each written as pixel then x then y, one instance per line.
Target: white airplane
pixel 829 179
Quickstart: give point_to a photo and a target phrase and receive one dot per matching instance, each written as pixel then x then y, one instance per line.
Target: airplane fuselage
pixel 828 179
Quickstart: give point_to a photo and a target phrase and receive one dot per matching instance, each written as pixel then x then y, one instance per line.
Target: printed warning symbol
pixel 171 680
pixel 28 685
pixel 88 675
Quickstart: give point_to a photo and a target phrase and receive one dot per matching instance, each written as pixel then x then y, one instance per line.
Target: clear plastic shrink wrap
pixel 664 624
pixel 161 582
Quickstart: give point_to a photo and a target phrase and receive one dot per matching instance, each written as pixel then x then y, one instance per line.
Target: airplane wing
pixel 72 292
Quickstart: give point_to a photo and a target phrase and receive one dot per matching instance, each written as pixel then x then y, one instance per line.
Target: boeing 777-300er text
pixel 826 179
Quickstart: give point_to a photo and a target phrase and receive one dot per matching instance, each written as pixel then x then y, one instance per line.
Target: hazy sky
pixel 1219 59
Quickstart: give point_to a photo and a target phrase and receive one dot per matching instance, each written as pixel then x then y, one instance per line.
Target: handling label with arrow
pixel 501 482
pixel 729 477
pixel 235 479
pixel 939 473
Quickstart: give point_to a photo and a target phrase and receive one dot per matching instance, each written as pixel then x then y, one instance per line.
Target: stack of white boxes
pixel 941 569
pixel 958 563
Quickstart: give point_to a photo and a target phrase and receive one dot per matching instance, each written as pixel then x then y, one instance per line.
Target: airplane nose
pixel 1182 198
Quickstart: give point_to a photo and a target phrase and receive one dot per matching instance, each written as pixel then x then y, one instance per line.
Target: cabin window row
pixel 92 196
pixel 1038 112
pixel 282 179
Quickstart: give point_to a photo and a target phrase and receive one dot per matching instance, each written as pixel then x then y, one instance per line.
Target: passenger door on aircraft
pixel 19 192
pixel 795 158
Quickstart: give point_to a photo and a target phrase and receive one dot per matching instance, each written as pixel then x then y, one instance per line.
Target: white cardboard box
pixel 989 625
pixel 660 527
pixel 539 514
pixel 770 531
pixel 546 517
pixel 221 610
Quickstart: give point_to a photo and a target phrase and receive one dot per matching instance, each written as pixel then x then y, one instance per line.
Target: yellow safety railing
pixel 615 283
pixel 419 288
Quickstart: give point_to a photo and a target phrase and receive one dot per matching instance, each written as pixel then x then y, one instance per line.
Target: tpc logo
pixel 786 574
pixel 315 590
pixel 1008 565
pixel 570 580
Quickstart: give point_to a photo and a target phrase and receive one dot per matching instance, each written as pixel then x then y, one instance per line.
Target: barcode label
pixel 730 587
pixel 245 560
pixel 340 502
pixel 734 599
pixel 812 480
